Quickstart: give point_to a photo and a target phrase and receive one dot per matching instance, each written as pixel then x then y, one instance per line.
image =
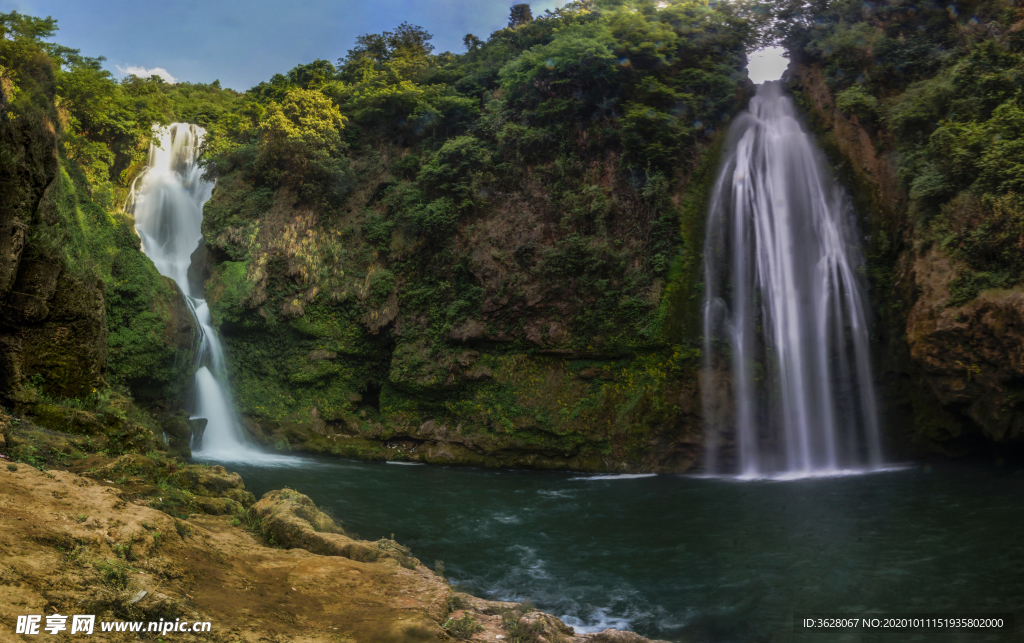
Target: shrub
pixel 449 171
pixel 462 628
pixel 858 102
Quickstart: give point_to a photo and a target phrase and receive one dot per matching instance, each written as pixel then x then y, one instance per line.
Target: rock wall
pixel 81 308
pixel 52 326
pixel 557 361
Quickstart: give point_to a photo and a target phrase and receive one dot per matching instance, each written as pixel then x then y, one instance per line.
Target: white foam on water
pixel 793 476
pixel 617 476
pixel 557 493
pixel 406 464
pixel 250 456
pixel 508 519
pixel 598 622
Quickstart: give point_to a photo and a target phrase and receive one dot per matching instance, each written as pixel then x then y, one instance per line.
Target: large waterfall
pixel 787 376
pixel 168 208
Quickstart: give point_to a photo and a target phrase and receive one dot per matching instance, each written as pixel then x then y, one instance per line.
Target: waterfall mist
pixel 168 209
pixel 787 375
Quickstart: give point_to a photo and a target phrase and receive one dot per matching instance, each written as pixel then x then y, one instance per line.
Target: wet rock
pixel 972 358
pixel 219 480
pixel 179 434
pixel 197 426
pixel 199 268
pixel 33 289
pixel 296 523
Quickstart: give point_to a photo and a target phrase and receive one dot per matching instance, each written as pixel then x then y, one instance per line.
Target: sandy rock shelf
pixel 73 545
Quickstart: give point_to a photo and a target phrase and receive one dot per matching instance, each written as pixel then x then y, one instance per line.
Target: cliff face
pixel 52 325
pixel 556 351
pixel 85 319
pixel 490 258
pixel 950 375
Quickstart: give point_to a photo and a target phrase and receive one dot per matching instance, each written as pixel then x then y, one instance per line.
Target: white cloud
pixel 142 72
pixel 766 64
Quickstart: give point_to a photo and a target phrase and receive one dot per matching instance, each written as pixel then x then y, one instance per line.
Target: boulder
pixel 291 520
pixel 218 480
pixel 197 426
pixel 179 434
pixel 294 522
pixel 218 506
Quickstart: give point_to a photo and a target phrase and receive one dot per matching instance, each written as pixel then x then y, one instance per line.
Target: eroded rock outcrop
pixel 972 356
pixel 76 545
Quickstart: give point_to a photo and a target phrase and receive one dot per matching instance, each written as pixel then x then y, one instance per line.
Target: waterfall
pixel 168 209
pixel 787 381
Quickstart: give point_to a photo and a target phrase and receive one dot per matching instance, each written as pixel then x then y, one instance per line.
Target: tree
pixel 300 138
pixel 471 42
pixel 410 41
pixel 519 14
pixel 17 25
pixel 313 75
pixel 406 41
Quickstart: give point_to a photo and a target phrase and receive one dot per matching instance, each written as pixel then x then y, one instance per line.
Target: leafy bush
pixel 382 282
pixel 858 102
pixel 449 171
pixel 300 144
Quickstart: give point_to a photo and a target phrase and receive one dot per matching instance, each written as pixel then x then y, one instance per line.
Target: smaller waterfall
pixel 787 377
pixel 168 209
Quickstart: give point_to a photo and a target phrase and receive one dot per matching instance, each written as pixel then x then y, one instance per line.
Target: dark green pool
pixel 696 559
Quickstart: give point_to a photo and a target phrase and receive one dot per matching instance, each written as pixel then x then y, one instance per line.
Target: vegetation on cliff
pixel 922 103
pixel 496 251
pixel 87 322
pixel 943 84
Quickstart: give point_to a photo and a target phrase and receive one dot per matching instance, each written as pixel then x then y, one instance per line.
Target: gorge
pixel 642 324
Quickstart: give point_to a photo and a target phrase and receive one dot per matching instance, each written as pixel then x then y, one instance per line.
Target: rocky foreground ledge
pixel 284 572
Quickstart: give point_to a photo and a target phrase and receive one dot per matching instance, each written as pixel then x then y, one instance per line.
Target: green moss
pixel 228 292
pixel 141 306
pixel 679 311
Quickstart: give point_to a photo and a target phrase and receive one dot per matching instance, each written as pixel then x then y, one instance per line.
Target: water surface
pixel 695 559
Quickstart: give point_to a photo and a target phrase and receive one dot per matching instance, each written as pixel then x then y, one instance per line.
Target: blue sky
pixel 241 42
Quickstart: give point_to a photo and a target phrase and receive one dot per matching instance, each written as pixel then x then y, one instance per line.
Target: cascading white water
pixel 787 367
pixel 168 210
